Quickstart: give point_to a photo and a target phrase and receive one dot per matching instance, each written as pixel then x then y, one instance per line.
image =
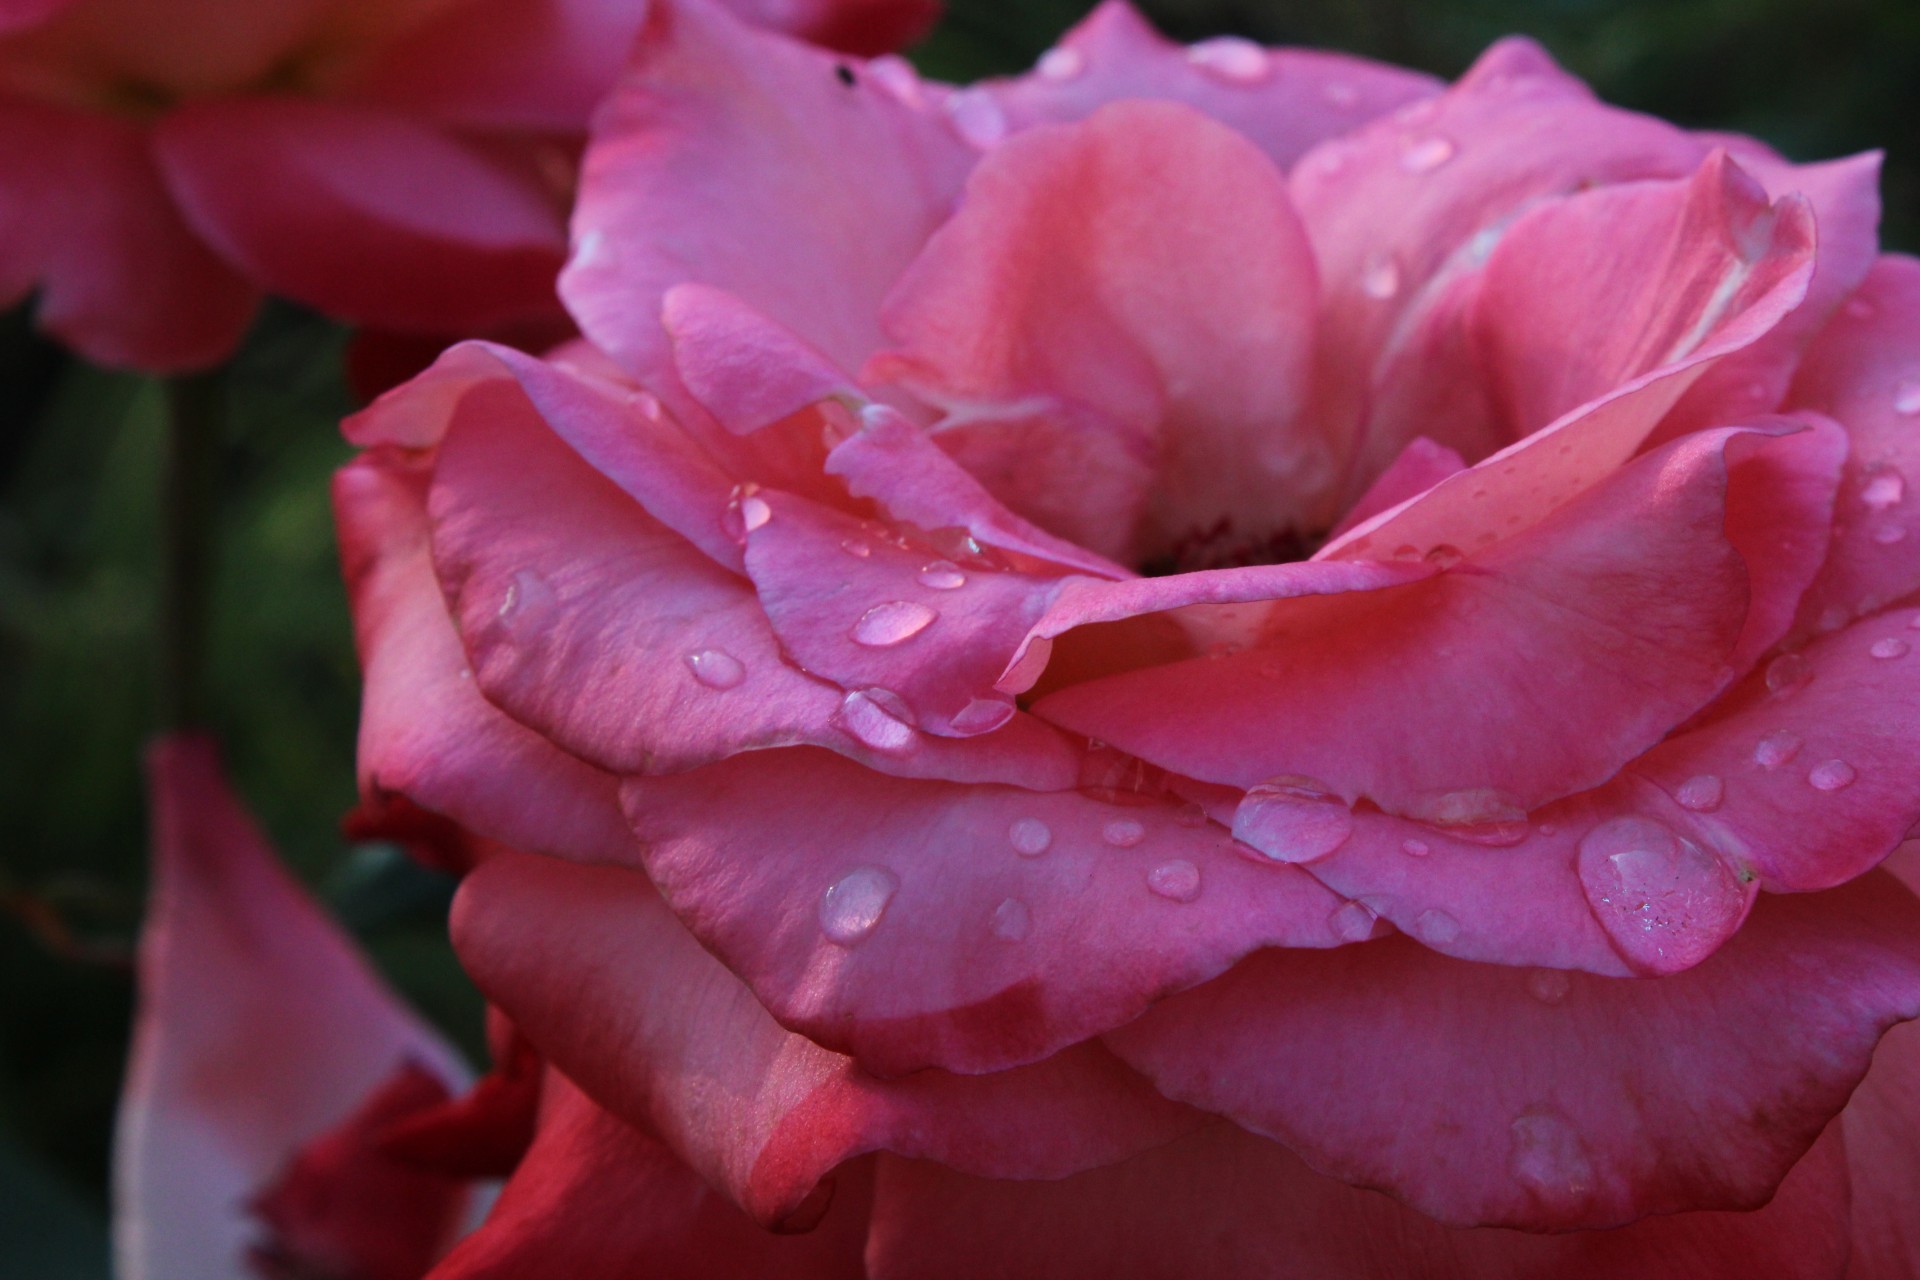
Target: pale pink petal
pixel 657 1030
pixel 1284 100
pixel 915 923
pixel 260 1027
pixel 1484 1094
pixel 1143 266
pixel 1229 1206
pixel 366 214
pixel 746 370
pixel 86 219
pixel 741 160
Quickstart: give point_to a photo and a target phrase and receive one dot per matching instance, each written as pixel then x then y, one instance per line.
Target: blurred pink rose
pixel 403 164
pixel 1171 645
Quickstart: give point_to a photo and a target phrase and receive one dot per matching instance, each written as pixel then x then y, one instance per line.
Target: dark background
pixel 78 478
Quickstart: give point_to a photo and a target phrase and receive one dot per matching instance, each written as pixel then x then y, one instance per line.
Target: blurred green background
pixel 79 452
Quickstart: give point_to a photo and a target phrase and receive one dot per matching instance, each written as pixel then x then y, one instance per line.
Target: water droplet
pixel 941 575
pixel 1417 112
pixel 1176 881
pixel 1788 672
pixel 1832 775
pixel 1906 398
pixel 1406 551
pixel 1030 837
pixel 1061 64
pixel 1011 920
pixel 1380 279
pixel 1352 921
pixel 851 909
pixel 982 715
pixel 1479 815
pixel 1549 986
pixel 1885 487
pixel 877 717
pixel 1436 926
pixel 1123 833
pixel 1549 1159
pixel 1340 94
pixel 977 117
pixel 1415 848
pixel 897 76
pixel 1293 819
pixel 1424 155
pixel 1889 534
pixel 1891 647
pixel 1860 309
pixel 1444 556
pixel 1913 623
pixel 857 548
pixel 1776 748
pixel 526 600
pixel 746 512
pixel 891 623
pixel 716 669
pixel 1191 815
pixel 960 546
pixel 1233 59
pixel 1665 901
pixel 1702 794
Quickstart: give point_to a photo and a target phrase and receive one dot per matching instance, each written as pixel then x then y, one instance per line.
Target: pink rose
pixel 1171 645
pixel 405 164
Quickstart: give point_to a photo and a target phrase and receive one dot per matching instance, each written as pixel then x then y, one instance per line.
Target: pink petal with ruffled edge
pixel 1585 1102
pixel 260 1027
pixel 661 1033
pixel 1229 1206
pixel 1419 467
pixel 917 923
pixel 365 213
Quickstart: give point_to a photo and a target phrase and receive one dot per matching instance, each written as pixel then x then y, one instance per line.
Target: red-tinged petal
pixel 1864 371
pixel 86 219
pixel 260 1027
pixel 609 633
pixel 366 214
pixel 485 1132
pixel 1622 611
pixel 1420 466
pixel 1229 1206
pixel 1146 265
pixel 864 27
pixel 425 730
pixel 917 923
pixel 1806 776
pixel 738 159
pixel 1882 1127
pixel 1586 1102
pixel 189 48
pixel 597 1199
pixel 658 1031
pixel 1284 100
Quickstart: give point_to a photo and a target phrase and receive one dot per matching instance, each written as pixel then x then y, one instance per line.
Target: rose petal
pixel 1880 1123
pixel 1419 467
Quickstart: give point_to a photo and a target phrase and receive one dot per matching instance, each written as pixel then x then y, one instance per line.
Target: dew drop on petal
pixel 1480 816
pixel 941 575
pixel 1061 64
pixel 1860 309
pixel 1701 793
pixel 1788 672
pixel 1292 819
pixel 1424 155
pixel 1549 986
pixel 982 715
pixel 1889 534
pixel 857 548
pixel 1352 921
pixel 716 669
pixel 1176 881
pixel 1776 748
pixel 526 600
pixel 1444 556
pixel 1415 848
pixel 1832 775
pixel 1123 833
pixel 1891 647
pixel 851 909
pixel 891 623
pixel 1549 1159
pixel 1666 902
pixel 877 717
pixel 1011 920
pixel 1436 926
pixel 1190 815
pixel 977 117
pixel 1885 487
pixel 1380 278
pixel 1906 398
pixel 1231 58
pixel 1030 837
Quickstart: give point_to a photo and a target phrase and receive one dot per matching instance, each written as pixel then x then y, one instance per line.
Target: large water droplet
pixel 1832 775
pixel 1906 397
pixel 1666 902
pixel 1061 64
pixel 981 715
pixel 1885 487
pixel 1176 881
pixel 891 623
pixel 1030 837
pixel 851 909
pixel 1702 793
pixel 746 512
pixel 1436 926
pixel 1776 748
pixel 1424 155
pixel 941 575
pixel 1011 920
pixel 716 669
pixel 1891 647
pixel 877 717
pixel 1549 986
pixel 1352 921
pixel 1788 672
pixel 526 600
pixel 1549 1159
pixel 1293 820
pixel 977 117
pixel 1231 58
pixel 1123 833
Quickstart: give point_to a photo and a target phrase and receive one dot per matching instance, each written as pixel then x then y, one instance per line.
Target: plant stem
pixel 196 405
